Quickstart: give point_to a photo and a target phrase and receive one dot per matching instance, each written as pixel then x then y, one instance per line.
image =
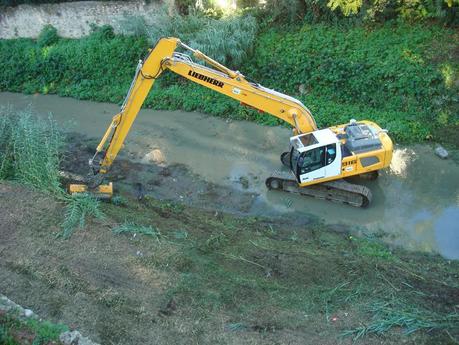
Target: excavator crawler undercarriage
pixel 338 191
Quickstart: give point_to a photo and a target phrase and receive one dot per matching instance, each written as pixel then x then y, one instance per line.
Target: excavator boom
pixel 223 80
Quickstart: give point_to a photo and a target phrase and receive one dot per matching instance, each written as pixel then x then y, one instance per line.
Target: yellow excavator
pixel 319 160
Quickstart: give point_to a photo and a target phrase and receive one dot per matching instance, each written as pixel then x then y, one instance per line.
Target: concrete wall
pixel 72 19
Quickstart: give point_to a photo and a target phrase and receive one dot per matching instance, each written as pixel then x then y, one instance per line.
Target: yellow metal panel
pixel 253 95
pixel 141 86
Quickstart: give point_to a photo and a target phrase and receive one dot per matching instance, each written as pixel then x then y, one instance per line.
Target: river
pixel 415 202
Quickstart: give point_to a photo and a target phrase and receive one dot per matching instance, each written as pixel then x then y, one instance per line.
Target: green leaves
pixel 384 74
pixel 48 36
pixel 79 208
pixel 400 76
pixel 29 150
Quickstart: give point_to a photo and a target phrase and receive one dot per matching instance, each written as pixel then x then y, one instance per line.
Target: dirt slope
pixel 210 278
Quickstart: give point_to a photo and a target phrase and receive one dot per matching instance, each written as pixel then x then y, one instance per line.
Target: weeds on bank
pixel 387 315
pixel 30 151
pixel 79 208
pixel 371 247
pixel 42 332
pixel 132 228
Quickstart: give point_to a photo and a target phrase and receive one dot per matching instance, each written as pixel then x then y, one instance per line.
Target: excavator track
pixel 339 191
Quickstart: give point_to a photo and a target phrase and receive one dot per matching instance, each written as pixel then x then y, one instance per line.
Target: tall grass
pixel 30 151
pixel 79 208
pixel 132 228
pixel 229 40
pixel 387 315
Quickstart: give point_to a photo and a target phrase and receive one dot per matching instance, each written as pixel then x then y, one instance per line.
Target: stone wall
pixel 73 19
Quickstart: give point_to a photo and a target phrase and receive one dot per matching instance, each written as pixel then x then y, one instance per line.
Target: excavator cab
pixel 315 156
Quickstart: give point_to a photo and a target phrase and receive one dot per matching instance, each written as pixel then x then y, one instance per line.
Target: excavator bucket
pixel 104 191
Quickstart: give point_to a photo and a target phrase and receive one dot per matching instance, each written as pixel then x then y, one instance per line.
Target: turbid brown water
pixel 415 202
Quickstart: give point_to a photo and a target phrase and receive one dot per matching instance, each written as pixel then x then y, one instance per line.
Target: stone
pixel 154 156
pixel 28 312
pixel 70 337
pixel 302 89
pixel 441 152
pixel 72 19
pixel 244 182
pixel 74 338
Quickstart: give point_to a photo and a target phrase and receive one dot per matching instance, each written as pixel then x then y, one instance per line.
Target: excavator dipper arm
pixel 219 78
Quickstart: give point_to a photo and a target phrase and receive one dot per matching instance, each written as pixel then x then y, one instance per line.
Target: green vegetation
pixel 79 208
pixel 387 74
pixel 262 278
pixel 132 228
pixel 372 247
pixel 48 36
pixel 14 331
pixel 402 76
pixel 30 151
pixel 410 10
pixel 387 315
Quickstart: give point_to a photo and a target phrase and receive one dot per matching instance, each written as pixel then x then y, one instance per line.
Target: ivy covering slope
pixel 403 77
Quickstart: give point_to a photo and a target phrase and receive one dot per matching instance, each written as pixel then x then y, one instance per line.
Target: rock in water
pixel 155 156
pixel 244 182
pixel 441 152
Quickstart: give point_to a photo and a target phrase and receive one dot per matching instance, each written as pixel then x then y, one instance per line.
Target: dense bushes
pixel 401 76
pixel 37 2
pixel 97 67
pixel 48 36
pixel 389 72
pixel 361 11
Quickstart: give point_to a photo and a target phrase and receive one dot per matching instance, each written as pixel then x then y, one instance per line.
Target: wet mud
pixel 217 164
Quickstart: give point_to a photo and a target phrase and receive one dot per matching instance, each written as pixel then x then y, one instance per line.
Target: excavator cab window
pixel 311 160
pixel 331 153
pixel 305 162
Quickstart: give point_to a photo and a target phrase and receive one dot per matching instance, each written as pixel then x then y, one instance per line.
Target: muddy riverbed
pixel 213 163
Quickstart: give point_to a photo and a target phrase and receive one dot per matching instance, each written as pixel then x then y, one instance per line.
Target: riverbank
pixel 404 77
pixel 217 278
pixel 214 164
pixel 178 258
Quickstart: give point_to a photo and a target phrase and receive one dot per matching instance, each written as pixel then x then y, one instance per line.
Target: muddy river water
pixel 415 202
